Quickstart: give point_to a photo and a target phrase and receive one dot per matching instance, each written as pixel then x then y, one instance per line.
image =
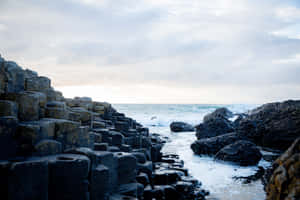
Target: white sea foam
pixel 215 176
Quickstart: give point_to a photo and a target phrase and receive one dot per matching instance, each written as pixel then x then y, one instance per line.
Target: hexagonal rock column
pixel 28 180
pixel 8 146
pixel 126 167
pixel 110 161
pixel 99 188
pixel 68 177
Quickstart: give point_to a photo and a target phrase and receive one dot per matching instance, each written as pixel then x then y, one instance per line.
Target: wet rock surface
pixel 242 152
pixel 271 127
pixel 56 148
pixel 181 127
pixel 215 124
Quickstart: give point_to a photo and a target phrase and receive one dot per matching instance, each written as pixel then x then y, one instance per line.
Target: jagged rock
pixel 8 146
pixel 127 165
pixel 284 182
pixel 242 152
pixel 181 127
pixel 8 108
pixel 38 84
pixel 211 146
pixel 28 180
pixel 274 125
pixel 48 147
pixel 131 189
pixel 68 177
pixel 99 189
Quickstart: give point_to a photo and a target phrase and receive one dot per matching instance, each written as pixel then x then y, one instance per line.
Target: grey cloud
pixel 172 43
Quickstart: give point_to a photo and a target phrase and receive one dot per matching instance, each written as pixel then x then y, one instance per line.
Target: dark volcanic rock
pixel 211 146
pixel 53 148
pixel 284 182
pixel 68 174
pixel 181 127
pixel 241 152
pixel 274 125
pixel 215 124
pixel 28 180
pixel 218 113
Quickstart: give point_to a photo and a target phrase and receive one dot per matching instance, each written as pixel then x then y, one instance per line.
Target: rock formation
pixel 57 148
pixel 181 127
pixel 284 183
pixel 273 125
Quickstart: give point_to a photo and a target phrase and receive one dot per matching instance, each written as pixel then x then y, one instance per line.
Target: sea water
pixel 215 176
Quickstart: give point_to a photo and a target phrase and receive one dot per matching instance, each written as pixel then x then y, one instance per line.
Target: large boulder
pixel 210 146
pixel 181 127
pixel 242 152
pixel 284 183
pixel 274 125
pixel 215 124
pixel 218 113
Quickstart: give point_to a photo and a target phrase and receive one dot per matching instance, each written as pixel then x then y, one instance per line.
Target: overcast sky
pixel 158 51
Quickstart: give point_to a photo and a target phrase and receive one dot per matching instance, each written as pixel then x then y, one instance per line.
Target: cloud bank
pixel 166 51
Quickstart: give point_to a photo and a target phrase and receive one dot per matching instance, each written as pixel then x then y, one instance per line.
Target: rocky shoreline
pixel 273 126
pixel 61 149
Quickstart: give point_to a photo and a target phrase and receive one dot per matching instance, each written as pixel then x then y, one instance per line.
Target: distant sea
pixel 216 176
